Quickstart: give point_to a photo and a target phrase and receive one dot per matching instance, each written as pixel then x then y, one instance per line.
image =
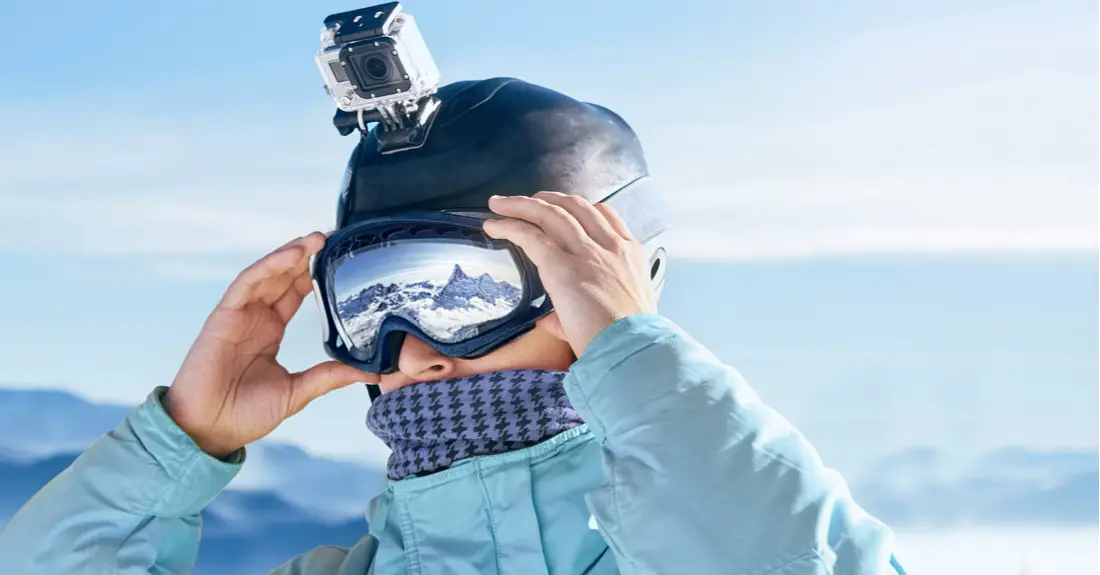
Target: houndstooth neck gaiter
pixel 431 425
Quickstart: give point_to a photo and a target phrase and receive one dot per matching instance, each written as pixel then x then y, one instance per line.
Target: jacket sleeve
pixel 700 476
pixel 129 504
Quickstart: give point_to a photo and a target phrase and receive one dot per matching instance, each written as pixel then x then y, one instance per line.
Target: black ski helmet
pixel 508 137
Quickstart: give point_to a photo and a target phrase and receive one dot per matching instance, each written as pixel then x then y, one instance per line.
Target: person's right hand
pixel 231 390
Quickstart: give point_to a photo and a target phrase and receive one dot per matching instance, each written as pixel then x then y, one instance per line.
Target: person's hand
pixel 231 390
pixel 592 268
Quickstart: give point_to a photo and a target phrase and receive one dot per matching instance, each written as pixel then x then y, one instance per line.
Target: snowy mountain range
pixel 284 502
pixel 287 501
pixel 37 424
pixel 447 310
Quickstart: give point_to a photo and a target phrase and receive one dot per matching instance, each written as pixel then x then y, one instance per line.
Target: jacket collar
pixel 518 512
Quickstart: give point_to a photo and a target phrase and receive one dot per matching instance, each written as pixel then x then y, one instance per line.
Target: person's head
pixel 505 137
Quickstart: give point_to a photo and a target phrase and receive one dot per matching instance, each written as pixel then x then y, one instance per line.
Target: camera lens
pixel 376 67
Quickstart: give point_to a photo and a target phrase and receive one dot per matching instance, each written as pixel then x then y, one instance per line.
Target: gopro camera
pixel 374 59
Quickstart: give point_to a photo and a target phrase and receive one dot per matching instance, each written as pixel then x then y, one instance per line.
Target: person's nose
pixel 422 362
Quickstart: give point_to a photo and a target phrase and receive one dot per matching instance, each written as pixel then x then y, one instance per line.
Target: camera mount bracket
pixel 402 126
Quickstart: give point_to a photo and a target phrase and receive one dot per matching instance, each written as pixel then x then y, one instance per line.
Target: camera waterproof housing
pixel 377 67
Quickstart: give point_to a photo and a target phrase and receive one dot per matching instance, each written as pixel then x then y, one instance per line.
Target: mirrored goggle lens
pixel 447 289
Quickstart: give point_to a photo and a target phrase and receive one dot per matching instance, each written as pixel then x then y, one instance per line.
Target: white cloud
pixel 750 215
pixel 975 132
pixel 805 217
pixel 164 187
pixel 133 224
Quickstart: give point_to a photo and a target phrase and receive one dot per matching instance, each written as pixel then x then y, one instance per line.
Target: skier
pixel 558 426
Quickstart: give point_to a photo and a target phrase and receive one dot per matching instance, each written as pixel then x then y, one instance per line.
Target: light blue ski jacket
pixel 679 470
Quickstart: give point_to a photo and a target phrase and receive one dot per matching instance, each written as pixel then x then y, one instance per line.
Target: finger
pixel 313 242
pixel 593 221
pixel 556 222
pixel 290 302
pixel 255 283
pixel 534 242
pixel 288 244
pixel 276 287
pixel 324 378
pixel 615 221
pixel 273 289
pixel 244 289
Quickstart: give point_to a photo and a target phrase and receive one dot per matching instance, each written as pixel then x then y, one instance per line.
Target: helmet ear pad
pixel 657 258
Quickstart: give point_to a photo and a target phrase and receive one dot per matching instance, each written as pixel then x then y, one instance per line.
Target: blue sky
pixel 151 150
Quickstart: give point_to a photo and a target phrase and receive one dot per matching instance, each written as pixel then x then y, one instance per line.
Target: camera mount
pixel 400 127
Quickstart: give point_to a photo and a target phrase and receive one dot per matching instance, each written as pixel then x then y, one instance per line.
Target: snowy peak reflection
pixel 461 288
pixel 447 311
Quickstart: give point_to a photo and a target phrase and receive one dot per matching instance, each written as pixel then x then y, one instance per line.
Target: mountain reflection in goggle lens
pixel 446 289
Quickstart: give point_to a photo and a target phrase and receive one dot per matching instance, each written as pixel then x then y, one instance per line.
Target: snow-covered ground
pixel 1000 551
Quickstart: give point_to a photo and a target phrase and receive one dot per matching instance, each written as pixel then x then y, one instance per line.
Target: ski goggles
pixel 437 276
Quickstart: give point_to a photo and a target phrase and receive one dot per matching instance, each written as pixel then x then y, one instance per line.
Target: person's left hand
pixel 592 268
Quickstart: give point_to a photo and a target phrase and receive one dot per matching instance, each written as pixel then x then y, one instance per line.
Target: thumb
pixel 323 378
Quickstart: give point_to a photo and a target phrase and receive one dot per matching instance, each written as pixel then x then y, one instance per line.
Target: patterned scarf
pixel 431 425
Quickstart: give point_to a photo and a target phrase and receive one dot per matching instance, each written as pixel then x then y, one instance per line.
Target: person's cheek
pixel 536 349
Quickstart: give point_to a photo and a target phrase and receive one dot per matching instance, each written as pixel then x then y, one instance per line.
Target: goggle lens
pixel 448 289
